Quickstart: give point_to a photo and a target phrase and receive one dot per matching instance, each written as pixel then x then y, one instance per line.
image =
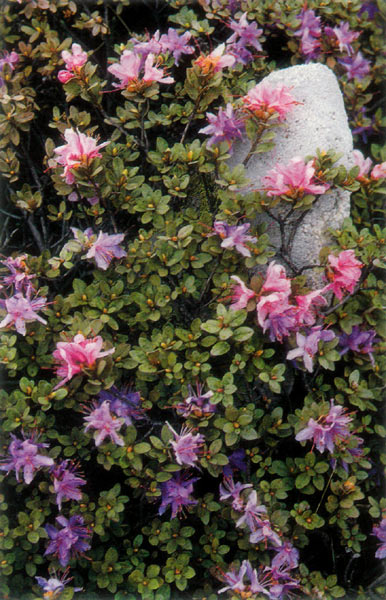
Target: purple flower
pixel 10 59
pixel 197 404
pixel 380 532
pixel 237 460
pixel 230 490
pixel 286 556
pixel 308 345
pixel 176 44
pixel 186 446
pixel 280 589
pixel 22 309
pixel 327 430
pixel 105 424
pixel 370 8
pixel 69 541
pixel 344 36
pixel 241 54
pixel 282 324
pixel 20 275
pixel 235 580
pixel 309 32
pixel 105 248
pixel 357 66
pixel 252 512
pixel 66 482
pixel 225 126
pixel 245 33
pixel 264 532
pixel 151 46
pixel 234 236
pixel 23 455
pixel 53 586
pixel 123 403
pixel 177 492
pixel 358 341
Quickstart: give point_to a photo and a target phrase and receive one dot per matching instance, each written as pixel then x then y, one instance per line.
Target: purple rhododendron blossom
pixel 176 44
pixel 24 456
pixel 186 446
pixel 286 556
pixel 22 309
pixel 309 33
pixel 105 248
pixel 105 424
pixel 357 66
pixel 123 403
pixel 70 540
pixel 358 341
pixel 343 35
pixel 231 490
pixel 20 274
pixel 280 590
pixel 53 587
pixel 197 404
pixel 245 32
pixel 10 59
pixel 328 429
pixel 236 581
pixel 380 532
pixel 176 492
pixel 252 512
pixel 234 236
pixel 66 482
pixel 263 532
pixel 308 345
pixel 226 126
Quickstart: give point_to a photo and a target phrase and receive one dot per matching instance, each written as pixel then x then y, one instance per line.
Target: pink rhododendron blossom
pixel 327 430
pixel 10 59
pixel 105 248
pixel 74 60
pixel 215 61
pixel 105 423
pixel 76 355
pixel 363 164
pixel 79 151
pixel 343 272
pixel 264 100
pixel 307 306
pixel 294 179
pixel 343 36
pixel 379 171
pixel 276 280
pixel 308 345
pixel 241 294
pixel 21 310
pixel 20 275
pixel 234 236
pixel 129 68
pixel 150 46
pixel 186 446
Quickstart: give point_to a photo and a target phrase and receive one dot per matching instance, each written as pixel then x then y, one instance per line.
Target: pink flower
pixel 22 310
pixel 241 294
pixel 215 61
pixel 293 180
pixel 79 151
pixel 328 429
pixel 343 272
pixel 105 248
pixel 186 446
pixel 234 236
pixel 128 72
pixel 74 356
pixel 105 423
pixel 264 101
pixel 306 306
pixel 363 164
pixel 344 36
pixel 152 73
pixel 73 60
pixel 379 171
pixel 276 280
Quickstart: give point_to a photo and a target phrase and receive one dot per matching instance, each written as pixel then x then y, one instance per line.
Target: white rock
pixel 320 121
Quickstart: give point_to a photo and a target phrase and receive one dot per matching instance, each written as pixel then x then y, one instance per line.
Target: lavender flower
pixel 343 35
pixel 309 32
pixel 23 455
pixel 235 581
pixel 234 236
pixel 197 404
pixel 176 44
pixel 105 424
pixel 252 513
pixel 186 446
pixel 66 482
pixel 125 404
pixel 264 532
pixel 22 310
pixel 223 127
pixel 286 556
pixel 20 275
pixel 357 66
pixel 69 541
pixel 380 532
pixel 358 341
pixel 280 589
pixel 53 586
pixel 327 429
pixel 230 490
pixel 105 248
pixel 245 33
pixel 308 345
pixel 177 493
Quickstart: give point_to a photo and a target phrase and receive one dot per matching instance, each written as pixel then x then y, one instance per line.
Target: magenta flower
pixel 343 272
pixel 343 36
pixel 215 61
pixel 223 127
pixel 357 67
pixel 79 151
pixel 327 430
pixel 380 532
pixel 276 280
pixel 379 171
pixel 22 310
pixel 245 33
pixel 363 164
pixel 125 404
pixel 69 541
pixel 234 236
pixel 264 100
pixel 241 294
pixel 307 306
pixel 186 446
pixel 66 482
pixel 294 180
pixel 105 248
pixel 176 44
pixel 358 341
pixel 23 455
pixel 105 423
pixel 197 404
pixel 10 59
pixel 73 357
pixel 309 32
pixel 231 490
pixel 20 273
pixel 74 60
pixel 308 345
pixel 177 493
pixel 129 68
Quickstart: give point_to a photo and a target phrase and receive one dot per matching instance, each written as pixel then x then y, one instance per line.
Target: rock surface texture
pixel 320 121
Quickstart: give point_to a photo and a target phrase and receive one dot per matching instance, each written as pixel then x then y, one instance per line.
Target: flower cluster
pixel 186 446
pixel 196 404
pixel 177 492
pixel 69 541
pixel 136 73
pixel 364 165
pixel 293 180
pixel 328 429
pixel 78 151
pixel 73 60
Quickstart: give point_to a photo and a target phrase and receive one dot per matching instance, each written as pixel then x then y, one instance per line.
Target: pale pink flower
pixel 276 280
pixel 379 171
pixel 79 151
pixel 129 68
pixel 265 100
pixel 215 61
pixel 76 355
pixel 152 73
pixel 344 36
pixel 274 305
pixel 105 423
pixel 241 294
pixel 363 164
pixel 22 310
pixel 105 248
pixel 294 179
pixel 343 272
pixel 328 429
pixel 74 60
pixel 186 446
pixel 307 305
